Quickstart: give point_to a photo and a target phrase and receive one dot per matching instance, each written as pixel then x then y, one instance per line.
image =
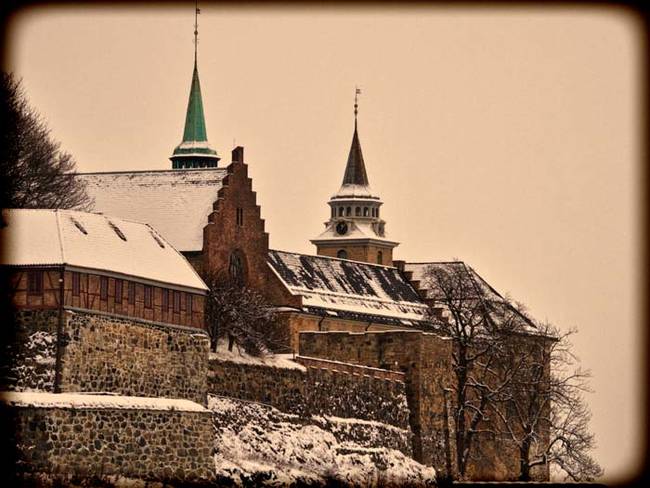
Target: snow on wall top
pixel 95 242
pixel 175 202
pixel 82 400
pixel 350 287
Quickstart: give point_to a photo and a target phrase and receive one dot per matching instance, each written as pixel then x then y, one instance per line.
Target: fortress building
pixel 353 303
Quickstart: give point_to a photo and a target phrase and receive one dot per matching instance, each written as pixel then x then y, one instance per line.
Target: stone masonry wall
pixel 425 361
pixel 317 391
pixel 149 444
pixel 29 354
pixel 105 353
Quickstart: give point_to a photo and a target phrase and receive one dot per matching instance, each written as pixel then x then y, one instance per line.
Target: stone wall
pixel 324 390
pixel 106 353
pixel 148 444
pixel 29 353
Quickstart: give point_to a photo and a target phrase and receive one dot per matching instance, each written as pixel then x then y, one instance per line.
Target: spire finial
pixel 197 11
pixel 357 92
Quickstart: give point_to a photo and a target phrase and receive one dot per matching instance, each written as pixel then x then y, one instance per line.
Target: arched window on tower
pixel 380 257
pixel 348 211
pixel 341 210
pixel 365 211
pixel 342 254
pixel 333 212
pixel 357 211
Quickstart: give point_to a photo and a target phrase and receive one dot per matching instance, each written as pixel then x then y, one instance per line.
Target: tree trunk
pixel 524 461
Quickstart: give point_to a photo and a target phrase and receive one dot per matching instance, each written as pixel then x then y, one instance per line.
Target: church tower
pixel 355 229
pixel 195 150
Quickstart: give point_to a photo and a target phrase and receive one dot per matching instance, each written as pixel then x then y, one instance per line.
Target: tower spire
pixel 355 169
pixel 195 151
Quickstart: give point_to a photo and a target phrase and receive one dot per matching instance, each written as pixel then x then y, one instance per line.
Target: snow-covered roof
pixel 478 289
pixel 349 289
pixel 94 242
pixel 352 191
pixel 82 400
pixel 175 202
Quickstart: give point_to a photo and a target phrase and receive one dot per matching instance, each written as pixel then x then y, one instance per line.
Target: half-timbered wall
pixel 86 291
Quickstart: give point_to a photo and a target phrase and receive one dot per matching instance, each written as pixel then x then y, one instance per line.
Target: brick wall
pixel 147 444
pixel 235 227
pixel 366 253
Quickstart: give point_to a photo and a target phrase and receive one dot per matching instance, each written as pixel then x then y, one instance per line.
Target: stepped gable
pixel 82 240
pixel 175 202
pixel 349 289
pixel 481 289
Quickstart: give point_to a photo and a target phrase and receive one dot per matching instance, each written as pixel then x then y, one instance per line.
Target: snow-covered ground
pixel 238 355
pixel 258 444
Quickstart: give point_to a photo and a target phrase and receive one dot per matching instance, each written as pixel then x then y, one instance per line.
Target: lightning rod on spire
pixel 357 92
pixel 197 11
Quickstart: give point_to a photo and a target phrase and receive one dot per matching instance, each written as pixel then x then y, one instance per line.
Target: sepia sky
pixel 508 138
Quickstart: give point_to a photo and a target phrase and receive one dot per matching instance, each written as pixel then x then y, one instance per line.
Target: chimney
pixel 238 155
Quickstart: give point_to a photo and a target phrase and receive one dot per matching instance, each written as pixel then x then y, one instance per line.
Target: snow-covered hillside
pixel 258 444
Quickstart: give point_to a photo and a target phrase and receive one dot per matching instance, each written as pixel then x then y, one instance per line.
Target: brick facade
pixel 367 253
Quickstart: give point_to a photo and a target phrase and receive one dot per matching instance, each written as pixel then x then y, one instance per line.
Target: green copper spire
pixel 195 150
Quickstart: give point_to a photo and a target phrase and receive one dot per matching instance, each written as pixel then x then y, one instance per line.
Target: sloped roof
pixel 479 288
pixel 175 202
pixel 94 242
pixel 348 288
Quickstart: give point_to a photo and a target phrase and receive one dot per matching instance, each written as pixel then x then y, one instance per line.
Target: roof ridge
pixel 332 258
pixel 173 171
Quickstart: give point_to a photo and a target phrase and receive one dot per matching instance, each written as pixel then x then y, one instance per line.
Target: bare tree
pixel 513 378
pixel 464 308
pixel 239 315
pixel 545 414
pixel 36 172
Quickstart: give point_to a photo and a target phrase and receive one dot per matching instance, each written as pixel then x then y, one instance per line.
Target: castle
pixel 133 323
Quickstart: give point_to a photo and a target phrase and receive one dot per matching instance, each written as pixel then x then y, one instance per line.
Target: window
pixel 148 292
pixel 365 211
pixel 188 303
pixel 165 299
pixel 341 210
pixel 103 288
pixel 177 301
pixel 131 293
pixel 342 254
pixel 240 217
pixel 357 211
pixel 348 211
pixel 35 282
pixel 380 257
pixel 76 284
pixel 118 291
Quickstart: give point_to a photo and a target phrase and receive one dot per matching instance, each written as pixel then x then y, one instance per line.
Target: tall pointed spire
pixel 355 170
pixel 195 150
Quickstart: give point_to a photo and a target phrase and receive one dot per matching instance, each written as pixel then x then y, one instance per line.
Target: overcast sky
pixel 507 138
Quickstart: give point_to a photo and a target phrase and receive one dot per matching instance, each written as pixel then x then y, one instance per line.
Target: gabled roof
pixel 175 202
pixel 37 237
pixel 478 289
pixel 348 288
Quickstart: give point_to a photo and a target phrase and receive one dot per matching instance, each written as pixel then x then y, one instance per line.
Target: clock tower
pixel 355 229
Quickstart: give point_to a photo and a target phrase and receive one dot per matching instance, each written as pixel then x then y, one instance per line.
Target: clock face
pixel 341 228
